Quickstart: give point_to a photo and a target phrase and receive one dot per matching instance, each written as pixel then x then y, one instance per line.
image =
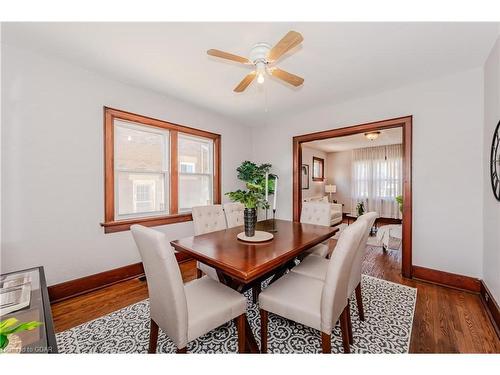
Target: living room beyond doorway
pixel 358 169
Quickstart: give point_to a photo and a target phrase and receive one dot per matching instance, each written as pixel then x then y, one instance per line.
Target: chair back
pixel 208 219
pixel 315 213
pixel 234 214
pixel 334 295
pixel 167 298
pixel 355 278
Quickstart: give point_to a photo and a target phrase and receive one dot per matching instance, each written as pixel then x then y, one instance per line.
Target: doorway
pixel 405 123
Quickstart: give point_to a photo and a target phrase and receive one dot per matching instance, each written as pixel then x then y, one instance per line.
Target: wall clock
pixel 495 163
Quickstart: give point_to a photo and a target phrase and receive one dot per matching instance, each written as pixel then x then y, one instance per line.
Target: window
pixel 156 171
pixel 141 170
pixel 377 179
pixel 195 177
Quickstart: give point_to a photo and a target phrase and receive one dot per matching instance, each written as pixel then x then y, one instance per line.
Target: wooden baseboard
pixel 491 306
pixel 76 287
pixel 451 280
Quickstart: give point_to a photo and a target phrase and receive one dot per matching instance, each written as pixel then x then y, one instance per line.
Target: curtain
pixel 377 179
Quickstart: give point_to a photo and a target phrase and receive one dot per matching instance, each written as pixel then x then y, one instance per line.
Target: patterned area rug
pixel 389 309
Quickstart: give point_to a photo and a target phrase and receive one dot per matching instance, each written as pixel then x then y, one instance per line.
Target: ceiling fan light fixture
pixel 261 55
pixel 261 70
pixel 372 135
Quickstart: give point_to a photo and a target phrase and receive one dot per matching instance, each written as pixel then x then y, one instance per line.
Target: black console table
pixel 41 339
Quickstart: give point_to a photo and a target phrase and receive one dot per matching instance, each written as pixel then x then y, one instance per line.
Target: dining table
pixel 243 265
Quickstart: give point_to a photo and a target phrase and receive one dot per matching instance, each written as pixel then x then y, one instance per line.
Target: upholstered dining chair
pixel 183 312
pixel 234 214
pixel 315 303
pixel 316 267
pixel 317 213
pixel 208 219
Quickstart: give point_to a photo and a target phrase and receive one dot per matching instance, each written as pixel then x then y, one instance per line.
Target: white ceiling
pixel 351 142
pixel 338 60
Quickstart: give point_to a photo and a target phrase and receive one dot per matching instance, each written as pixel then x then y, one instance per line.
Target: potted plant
pixel 360 208
pixel 253 198
pixel 8 328
pixel 399 199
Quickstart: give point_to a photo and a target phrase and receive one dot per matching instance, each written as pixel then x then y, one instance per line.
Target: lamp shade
pixel 330 188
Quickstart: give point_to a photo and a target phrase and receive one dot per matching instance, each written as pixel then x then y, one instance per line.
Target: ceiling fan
pixel 262 57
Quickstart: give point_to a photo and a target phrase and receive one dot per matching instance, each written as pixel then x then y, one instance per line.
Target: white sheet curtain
pixel 377 179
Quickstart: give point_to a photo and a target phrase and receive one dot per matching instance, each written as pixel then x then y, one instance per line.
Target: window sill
pixel 123 225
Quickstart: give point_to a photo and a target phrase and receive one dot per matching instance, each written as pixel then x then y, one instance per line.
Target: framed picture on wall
pixel 305 176
pixel 318 169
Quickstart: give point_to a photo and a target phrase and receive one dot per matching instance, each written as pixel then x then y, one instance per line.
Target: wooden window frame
pixel 110 224
pixel 322 162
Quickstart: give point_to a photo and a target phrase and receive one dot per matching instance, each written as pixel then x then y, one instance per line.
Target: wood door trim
pixel 406 124
pixel 73 288
pixel 448 279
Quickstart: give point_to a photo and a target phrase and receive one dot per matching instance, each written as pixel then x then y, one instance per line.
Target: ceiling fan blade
pixel 290 40
pixel 228 56
pixel 287 77
pixel 245 82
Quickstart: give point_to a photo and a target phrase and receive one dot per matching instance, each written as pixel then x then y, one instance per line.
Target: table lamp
pixel 330 189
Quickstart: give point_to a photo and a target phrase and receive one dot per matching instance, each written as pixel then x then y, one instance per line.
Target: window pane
pixel 137 149
pixel 195 155
pixel 194 190
pixel 140 193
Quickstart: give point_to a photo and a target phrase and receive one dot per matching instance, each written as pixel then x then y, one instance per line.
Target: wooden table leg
pixel 281 271
pixel 250 343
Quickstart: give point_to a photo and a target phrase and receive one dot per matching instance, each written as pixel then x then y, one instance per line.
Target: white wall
pixel 316 188
pixel 339 174
pixel 447 161
pixel 52 163
pixel 491 213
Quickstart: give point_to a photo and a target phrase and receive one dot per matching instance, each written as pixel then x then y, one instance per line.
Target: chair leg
pixel 345 330
pixel 153 337
pixel 359 302
pixel 326 343
pixel 182 350
pixel 256 289
pixel 263 331
pixel 349 323
pixel 199 274
pixel 240 326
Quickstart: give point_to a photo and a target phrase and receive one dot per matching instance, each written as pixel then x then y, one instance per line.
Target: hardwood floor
pixel 446 320
pixel 81 309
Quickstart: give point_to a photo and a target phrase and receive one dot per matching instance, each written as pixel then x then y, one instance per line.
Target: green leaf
pixel 4 341
pixel 23 327
pixel 4 324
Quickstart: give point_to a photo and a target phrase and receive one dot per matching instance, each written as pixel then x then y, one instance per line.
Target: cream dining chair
pixel 183 312
pixel 317 213
pixel 316 267
pixel 312 302
pixel 234 214
pixel 208 219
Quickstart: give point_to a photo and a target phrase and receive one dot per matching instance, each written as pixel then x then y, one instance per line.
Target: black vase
pixel 250 219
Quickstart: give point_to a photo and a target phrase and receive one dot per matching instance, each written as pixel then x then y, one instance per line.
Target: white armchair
pixel 335 209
